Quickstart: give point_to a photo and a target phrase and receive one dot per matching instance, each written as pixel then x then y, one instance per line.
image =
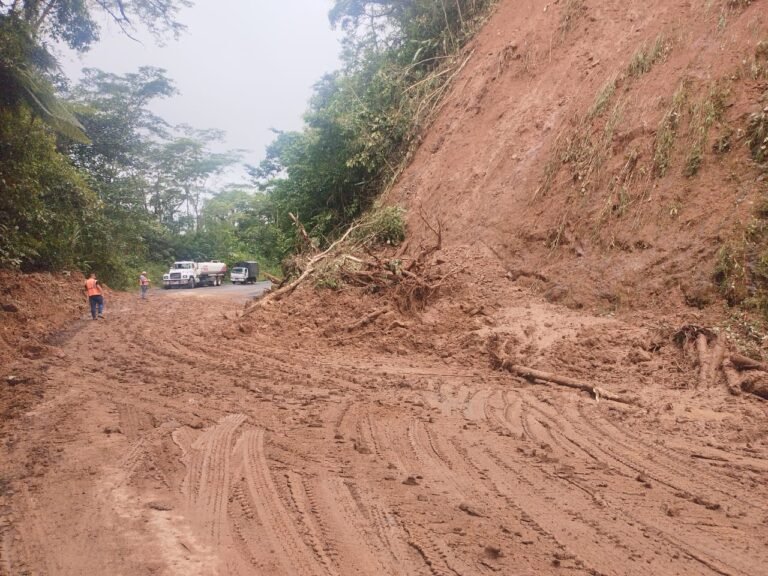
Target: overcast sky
pixel 243 66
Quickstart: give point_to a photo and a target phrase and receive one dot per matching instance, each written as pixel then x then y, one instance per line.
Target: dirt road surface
pixel 161 443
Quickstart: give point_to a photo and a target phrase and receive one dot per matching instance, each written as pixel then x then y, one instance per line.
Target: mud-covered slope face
pixel 32 307
pixel 600 145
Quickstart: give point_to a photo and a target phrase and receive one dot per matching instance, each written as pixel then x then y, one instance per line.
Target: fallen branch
pixel 532 375
pixel 274 279
pixel 367 319
pixel 703 350
pixel 278 294
pixel 746 363
pixel 395 324
pixel 596 391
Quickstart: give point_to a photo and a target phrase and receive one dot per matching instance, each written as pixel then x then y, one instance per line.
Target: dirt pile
pixel 600 150
pixel 32 307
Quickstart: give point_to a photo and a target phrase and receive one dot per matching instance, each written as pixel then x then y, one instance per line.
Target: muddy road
pixel 161 443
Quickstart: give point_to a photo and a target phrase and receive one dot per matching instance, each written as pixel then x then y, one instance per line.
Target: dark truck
pixel 244 272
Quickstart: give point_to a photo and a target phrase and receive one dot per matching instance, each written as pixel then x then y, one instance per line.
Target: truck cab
pixel 245 272
pixel 188 274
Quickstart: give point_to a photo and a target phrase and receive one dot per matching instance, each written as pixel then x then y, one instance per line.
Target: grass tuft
pixel 703 115
pixel 647 56
pixel 665 136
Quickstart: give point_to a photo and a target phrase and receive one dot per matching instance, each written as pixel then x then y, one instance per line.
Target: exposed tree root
pixel 741 374
pixel 702 348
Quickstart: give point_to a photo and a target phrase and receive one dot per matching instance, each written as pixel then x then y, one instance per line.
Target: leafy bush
pixel 382 225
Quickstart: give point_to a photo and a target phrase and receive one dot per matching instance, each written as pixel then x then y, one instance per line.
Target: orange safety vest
pixel 92 286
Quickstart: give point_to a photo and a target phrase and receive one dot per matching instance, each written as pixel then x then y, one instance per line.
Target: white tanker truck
pixel 188 274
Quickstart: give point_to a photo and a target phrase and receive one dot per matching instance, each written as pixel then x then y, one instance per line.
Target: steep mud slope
pixel 33 306
pixel 597 148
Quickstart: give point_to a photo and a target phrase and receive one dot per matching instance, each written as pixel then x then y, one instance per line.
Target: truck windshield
pixel 182 265
pixel 239 270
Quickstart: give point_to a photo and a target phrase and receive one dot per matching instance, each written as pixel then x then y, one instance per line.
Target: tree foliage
pixel 363 120
pixel 137 190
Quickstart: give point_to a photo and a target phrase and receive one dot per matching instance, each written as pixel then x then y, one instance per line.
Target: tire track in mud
pixel 656 522
pixel 541 431
pixel 652 466
pixel 675 460
pixel 261 496
pixel 415 452
pixel 207 482
pixel 140 450
pixel 464 487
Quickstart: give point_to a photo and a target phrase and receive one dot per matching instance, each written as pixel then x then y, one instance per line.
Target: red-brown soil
pixel 182 437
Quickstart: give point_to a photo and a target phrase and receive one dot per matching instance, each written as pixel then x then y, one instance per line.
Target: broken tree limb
pixel 532 375
pixel 596 391
pixel 703 351
pixel 367 319
pixel 745 363
pixel 274 279
pixel 310 268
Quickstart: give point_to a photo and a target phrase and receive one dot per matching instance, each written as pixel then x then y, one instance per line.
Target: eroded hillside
pixel 602 150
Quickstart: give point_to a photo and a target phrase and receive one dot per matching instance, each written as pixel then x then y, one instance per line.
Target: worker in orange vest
pixel 95 296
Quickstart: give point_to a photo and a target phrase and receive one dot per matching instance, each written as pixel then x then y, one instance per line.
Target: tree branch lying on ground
pixel 351 260
pixel 502 361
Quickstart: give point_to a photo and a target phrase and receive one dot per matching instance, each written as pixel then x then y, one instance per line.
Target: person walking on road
pixel 144 284
pixel 95 296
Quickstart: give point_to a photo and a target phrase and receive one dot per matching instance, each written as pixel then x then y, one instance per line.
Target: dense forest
pixel 91 179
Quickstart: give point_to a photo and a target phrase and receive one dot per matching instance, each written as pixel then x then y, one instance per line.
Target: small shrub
pixel 382 225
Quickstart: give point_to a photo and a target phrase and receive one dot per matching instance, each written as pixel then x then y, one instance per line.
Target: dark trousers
pixel 97 303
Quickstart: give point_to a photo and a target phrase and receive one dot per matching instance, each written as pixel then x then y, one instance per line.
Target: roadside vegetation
pixel 91 179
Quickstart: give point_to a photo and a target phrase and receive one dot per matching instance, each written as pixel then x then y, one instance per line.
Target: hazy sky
pixel 243 66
